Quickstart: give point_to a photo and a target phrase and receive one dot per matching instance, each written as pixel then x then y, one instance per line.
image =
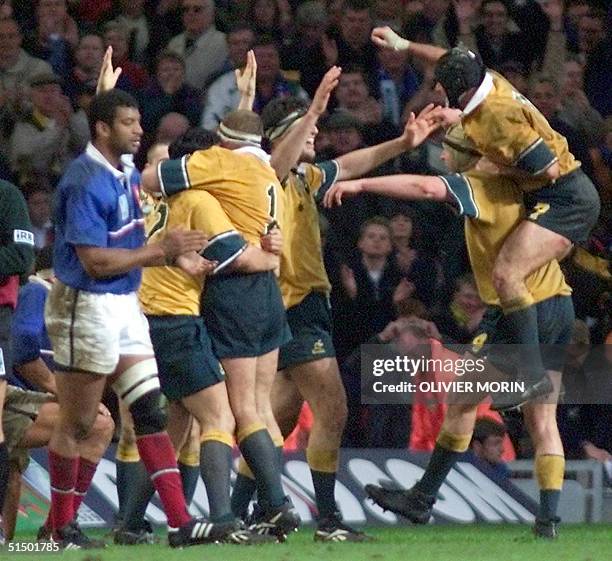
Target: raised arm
pixel 246 80
pixel 387 38
pixel 416 131
pixel 289 149
pixel 412 187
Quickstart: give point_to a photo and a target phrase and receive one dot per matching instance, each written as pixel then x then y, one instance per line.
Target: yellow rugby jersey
pixel 168 290
pixel 241 180
pixel 493 207
pixel 302 270
pixel 507 128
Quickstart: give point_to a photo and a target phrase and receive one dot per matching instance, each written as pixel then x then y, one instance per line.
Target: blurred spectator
pixel 310 51
pixel 459 321
pixel 6 9
pixel 515 73
pixel 585 418
pixel 91 12
pixel 368 282
pixel 496 40
pixel 201 45
pixel 47 138
pixel 576 108
pixel 38 198
pixel 167 92
pixel 171 126
pixel 16 66
pixel 353 97
pixel 388 12
pixel 133 17
pixel 591 32
pixel 222 96
pixel 601 156
pixel 116 35
pixel 397 82
pixel 545 95
pixel 271 17
pixel 54 36
pixel 595 48
pixel 419 271
pixel 353 39
pixel 423 17
pixel 574 11
pixel 87 61
pixel 270 81
pixel 488 445
pixel 341 133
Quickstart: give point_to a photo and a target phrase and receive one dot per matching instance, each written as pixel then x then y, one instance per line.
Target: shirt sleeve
pixel 86 216
pixel 225 244
pixel 460 189
pixel 16 237
pixel 196 171
pixel 321 177
pixel 506 136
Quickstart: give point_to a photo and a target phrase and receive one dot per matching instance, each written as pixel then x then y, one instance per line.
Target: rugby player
pixel 493 207
pixel 243 312
pixel 561 202
pixel 94 321
pixel 307 364
pixel 190 375
pixel 16 258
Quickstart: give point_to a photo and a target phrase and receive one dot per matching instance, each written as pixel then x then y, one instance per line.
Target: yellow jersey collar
pixel 480 94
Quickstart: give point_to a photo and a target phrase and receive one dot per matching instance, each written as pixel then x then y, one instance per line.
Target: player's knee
pixel 148 414
pixel 104 427
pixel 81 428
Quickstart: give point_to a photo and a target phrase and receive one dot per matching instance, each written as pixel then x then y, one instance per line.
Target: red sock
pixel 63 475
pixel 85 474
pixel 159 458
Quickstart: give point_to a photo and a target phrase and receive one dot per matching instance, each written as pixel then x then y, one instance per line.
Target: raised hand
pixel 326 87
pixel 246 79
pixel 330 49
pixel 418 128
pixel 108 77
pixel 347 277
pixel 387 38
pixel 334 195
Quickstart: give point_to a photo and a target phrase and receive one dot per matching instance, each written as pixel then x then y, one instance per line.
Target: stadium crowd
pixel 388 260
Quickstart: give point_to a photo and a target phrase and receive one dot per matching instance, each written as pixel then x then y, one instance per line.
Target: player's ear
pixel 103 130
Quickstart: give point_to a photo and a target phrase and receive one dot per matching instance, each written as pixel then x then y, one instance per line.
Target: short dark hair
pixel 486 427
pixel 243 121
pixel 375 221
pixel 196 138
pixel 104 107
pixel 275 111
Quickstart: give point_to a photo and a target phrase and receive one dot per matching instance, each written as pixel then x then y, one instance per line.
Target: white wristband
pixel 396 42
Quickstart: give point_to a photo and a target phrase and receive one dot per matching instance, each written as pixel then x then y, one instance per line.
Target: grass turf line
pixel 432 543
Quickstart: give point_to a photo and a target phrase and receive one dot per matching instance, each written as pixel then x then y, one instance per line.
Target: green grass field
pixel 432 543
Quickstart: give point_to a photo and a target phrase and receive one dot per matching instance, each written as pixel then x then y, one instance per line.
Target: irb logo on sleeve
pixel 23 236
